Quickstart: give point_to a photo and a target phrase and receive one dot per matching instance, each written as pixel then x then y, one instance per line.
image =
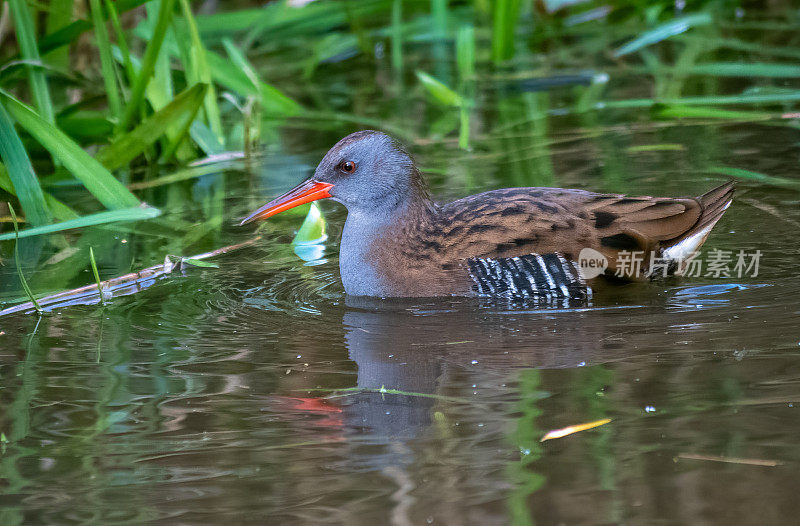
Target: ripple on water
pixel 709 296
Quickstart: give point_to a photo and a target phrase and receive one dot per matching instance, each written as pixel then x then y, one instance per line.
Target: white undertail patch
pixel 686 247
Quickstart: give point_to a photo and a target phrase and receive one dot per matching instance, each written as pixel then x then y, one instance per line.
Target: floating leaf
pixel 312 231
pixel 559 433
pixel 308 243
pixel 200 263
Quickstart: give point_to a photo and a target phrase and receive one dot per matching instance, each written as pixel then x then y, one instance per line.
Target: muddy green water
pixel 205 398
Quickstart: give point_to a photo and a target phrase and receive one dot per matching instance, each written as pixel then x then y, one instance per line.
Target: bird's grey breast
pixel 356 264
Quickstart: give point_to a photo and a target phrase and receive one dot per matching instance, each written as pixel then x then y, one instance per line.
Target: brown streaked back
pixel 518 221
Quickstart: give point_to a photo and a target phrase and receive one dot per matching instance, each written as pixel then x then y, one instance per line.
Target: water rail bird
pixel 515 242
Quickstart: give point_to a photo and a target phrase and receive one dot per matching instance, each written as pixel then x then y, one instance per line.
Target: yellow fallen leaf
pixel 732 460
pixel 558 433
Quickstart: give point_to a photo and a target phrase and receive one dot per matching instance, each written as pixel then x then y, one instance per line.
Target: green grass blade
pixel 240 61
pixel 782 96
pixel 100 218
pixel 397 36
pixel 465 53
pixel 94 176
pixel 465 59
pixel 94 268
pixel 59 15
pixel 237 74
pixel 57 208
pixel 280 21
pixel 122 43
pixel 26 38
pixel 740 173
pixel 106 59
pixel 439 33
pixel 229 76
pixel 203 71
pixel 662 147
pixel 206 139
pixel 663 32
pixel 26 185
pixel 591 94
pixel 700 112
pixel 70 33
pixel 734 69
pixel 193 172
pixel 151 56
pixel 184 131
pixel 463 131
pixel 97 281
pixel 127 147
pixel 160 90
pixel 504 25
pixel 439 91
pixel 22 279
pixel 714 43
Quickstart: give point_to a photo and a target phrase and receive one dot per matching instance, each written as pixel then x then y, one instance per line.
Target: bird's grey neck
pixel 362 229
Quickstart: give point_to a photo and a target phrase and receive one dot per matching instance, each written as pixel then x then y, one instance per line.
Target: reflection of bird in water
pixel 414 351
pixel 383 347
pixel 453 359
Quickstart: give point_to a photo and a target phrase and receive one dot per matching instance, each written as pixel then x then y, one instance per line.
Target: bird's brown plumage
pixel 424 254
pixel 511 242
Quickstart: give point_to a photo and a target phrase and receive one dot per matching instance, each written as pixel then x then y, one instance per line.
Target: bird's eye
pixel 347 167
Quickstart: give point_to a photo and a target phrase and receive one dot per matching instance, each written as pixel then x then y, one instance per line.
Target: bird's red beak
pixel 301 194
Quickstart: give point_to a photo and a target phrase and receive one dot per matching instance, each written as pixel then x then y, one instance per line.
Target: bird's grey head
pixel 367 171
pixel 370 172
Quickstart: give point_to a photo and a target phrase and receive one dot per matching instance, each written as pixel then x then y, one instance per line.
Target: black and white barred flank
pixel 547 276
